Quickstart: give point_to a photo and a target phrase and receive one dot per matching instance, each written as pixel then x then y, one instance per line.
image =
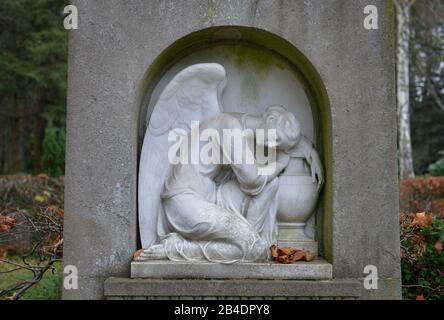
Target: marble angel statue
pixel 222 211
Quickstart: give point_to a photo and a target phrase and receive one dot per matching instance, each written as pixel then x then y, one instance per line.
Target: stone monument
pixel 154 86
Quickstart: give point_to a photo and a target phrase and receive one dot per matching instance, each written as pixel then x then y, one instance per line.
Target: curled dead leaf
pixel 287 255
pixel 298 255
pixel 287 251
pixel 6 223
pixel 309 256
pixel 419 219
pixel 137 253
pixel 429 219
pixel 422 219
pixel 42 176
pixel 274 251
pixel 283 259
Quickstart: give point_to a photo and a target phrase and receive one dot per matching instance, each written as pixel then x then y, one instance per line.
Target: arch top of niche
pixel 253 48
pixel 257 47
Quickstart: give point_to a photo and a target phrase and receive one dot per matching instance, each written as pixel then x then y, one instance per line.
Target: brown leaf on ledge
pixel 298 255
pixel 288 255
pixel 137 253
pixel 274 251
pixel 288 251
pixel 309 256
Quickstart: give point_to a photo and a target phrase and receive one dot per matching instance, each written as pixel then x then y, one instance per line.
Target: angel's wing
pixel 192 95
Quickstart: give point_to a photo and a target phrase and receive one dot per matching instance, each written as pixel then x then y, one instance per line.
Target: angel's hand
pixel 273 168
pixel 316 170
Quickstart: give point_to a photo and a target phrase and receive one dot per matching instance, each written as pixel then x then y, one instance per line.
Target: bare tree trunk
pixel 13 162
pixel 404 138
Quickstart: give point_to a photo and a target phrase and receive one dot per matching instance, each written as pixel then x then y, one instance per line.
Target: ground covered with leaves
pixel 422 236
pixel 31 237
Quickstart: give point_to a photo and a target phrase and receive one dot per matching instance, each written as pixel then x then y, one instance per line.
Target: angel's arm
pixel 311 156
pixel 251 175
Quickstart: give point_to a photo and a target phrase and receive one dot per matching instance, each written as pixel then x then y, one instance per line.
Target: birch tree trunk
pixel 404 138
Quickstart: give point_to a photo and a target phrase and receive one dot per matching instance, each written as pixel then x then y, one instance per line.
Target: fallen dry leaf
pixel 274 251
pixel 429 219
pixel 137 253
pixel 422 219
pixel 309 256
pixel 287 255
pixel 284 259
pixel 42 176
pixel 287 251
pixel 298 255
pixel 6 223
pixel 419 219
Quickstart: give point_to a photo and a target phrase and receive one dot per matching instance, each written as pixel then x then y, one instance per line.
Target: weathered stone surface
pixel 167 288
pixel 318 269
pixel 108 58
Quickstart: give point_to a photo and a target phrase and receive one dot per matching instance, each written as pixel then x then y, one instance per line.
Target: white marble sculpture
pixel 225 211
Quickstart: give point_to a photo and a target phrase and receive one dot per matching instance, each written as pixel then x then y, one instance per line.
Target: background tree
pixel 33 55
pixel 420 84
pixel 404 136
pixel 54 146
pixel 427 82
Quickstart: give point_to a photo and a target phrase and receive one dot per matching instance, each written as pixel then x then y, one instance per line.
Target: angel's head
pixel 285 124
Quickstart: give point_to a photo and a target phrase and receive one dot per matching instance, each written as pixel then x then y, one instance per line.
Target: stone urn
pixel 297 200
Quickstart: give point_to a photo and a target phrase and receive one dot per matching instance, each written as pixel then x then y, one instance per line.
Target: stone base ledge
pixel 315 270
pixel 195 289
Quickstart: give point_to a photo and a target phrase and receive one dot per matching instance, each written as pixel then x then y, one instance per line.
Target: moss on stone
pixel 210 11
pixel 261 60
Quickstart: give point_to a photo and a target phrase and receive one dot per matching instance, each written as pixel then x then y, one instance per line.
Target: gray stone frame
pixel 111 58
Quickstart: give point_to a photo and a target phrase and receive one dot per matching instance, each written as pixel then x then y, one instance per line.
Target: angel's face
pixel 274 134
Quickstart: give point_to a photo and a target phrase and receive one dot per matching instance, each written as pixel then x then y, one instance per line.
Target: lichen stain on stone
pixel 210 11
pixel 255 63
pixel 259 59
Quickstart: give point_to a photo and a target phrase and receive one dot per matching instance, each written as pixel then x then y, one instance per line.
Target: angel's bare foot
pixel 155 252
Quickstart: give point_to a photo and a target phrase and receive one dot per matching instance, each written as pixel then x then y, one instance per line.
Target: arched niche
pixel 262 69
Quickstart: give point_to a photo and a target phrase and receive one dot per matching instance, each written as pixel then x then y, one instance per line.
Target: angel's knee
pixel 258 249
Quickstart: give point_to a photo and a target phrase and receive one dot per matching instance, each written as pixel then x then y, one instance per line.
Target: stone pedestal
pixel 315 270
pixel 199 289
